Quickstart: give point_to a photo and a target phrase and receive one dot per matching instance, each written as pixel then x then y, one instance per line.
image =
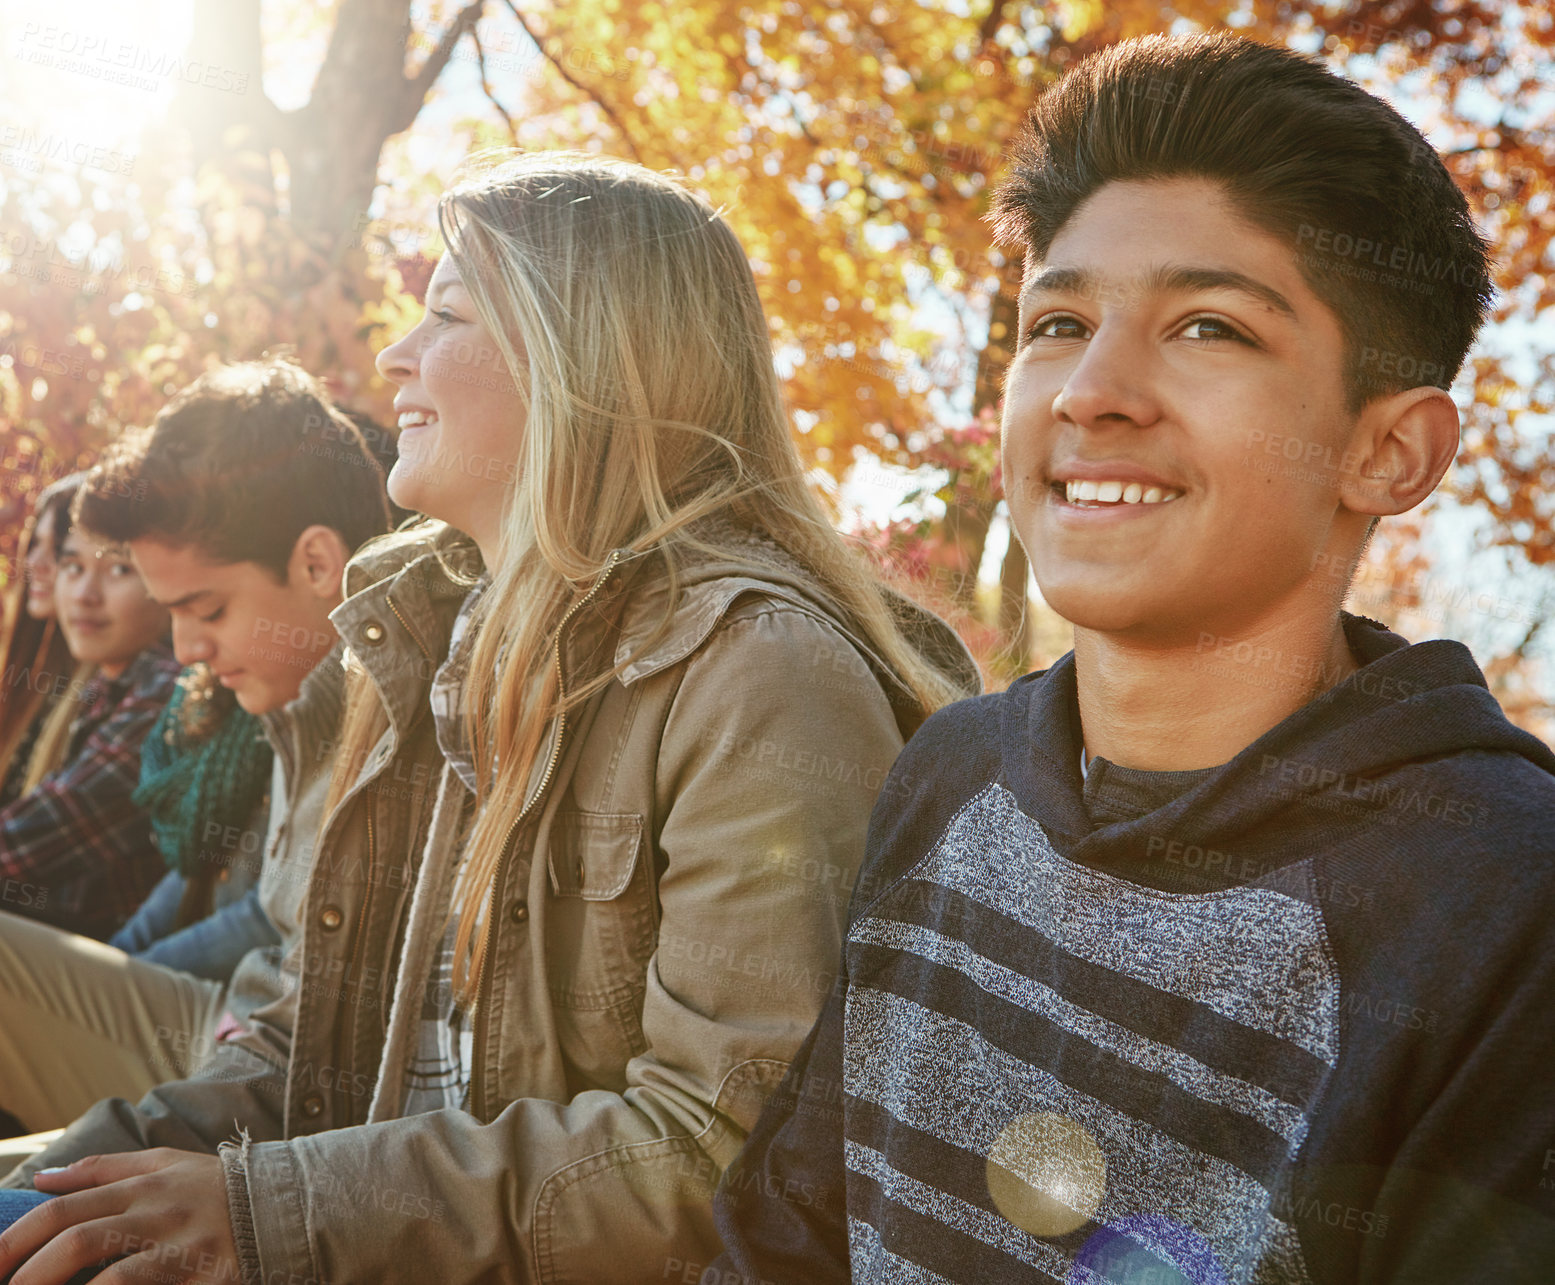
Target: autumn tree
pixel 235 228
pixel 853 146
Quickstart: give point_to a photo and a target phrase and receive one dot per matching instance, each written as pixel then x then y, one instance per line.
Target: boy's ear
pixel 1402 446
pixel 318 561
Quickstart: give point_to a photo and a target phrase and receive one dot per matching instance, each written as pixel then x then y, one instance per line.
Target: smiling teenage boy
pixel 1223 950
pixel 240 506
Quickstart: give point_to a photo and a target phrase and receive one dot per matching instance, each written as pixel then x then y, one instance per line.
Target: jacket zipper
pixel 488 964
pixel 347 1057
pixel 405 624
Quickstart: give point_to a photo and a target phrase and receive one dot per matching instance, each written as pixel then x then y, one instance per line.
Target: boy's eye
pixel 1058 325
pixel 1213 328
pixel 214 616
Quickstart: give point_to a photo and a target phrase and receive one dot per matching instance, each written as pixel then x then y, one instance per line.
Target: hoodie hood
pixel 1357 750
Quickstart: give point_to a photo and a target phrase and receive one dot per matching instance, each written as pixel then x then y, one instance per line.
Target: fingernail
pixel 53 1169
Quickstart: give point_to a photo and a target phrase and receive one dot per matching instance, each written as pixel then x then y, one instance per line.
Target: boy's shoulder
pixel 1437 876
pixel 960 745
pixel 955 756
pixel 1480 821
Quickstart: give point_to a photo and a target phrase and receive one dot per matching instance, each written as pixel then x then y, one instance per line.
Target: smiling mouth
pixel 1100 495
pixel 416 419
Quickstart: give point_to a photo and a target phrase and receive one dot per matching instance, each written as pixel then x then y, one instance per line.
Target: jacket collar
pixel 709 588
pixel 403 595
pixel 305 727
pixel 406 591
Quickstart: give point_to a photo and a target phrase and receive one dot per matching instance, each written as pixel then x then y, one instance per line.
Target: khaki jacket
pixel 665 925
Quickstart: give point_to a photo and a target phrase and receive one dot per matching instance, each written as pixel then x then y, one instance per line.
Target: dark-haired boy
pixel 1224 950
pixel 240 507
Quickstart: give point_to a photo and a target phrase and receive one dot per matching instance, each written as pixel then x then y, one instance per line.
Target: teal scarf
pixel 205 764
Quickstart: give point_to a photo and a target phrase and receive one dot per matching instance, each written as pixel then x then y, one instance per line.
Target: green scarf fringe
pixel 204 766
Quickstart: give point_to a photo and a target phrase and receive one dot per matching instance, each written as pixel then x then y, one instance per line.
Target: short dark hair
pixel 238 464
pixel 1381 233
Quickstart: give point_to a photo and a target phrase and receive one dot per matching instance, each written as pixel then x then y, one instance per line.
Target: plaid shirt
pixel 438 1075
pixel 77 851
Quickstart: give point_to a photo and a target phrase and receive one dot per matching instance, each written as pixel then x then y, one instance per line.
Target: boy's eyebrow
pixel 1161 280
pixel 185 600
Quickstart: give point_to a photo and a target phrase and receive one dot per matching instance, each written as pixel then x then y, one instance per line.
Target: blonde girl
pixel 619 711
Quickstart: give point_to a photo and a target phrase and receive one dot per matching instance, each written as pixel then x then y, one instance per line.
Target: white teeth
pixel 1076 492
pixel 415 418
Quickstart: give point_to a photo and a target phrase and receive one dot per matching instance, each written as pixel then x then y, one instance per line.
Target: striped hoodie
pixel 1283 1020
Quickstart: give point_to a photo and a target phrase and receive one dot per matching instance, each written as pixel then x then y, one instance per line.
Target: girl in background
pixel 37 664
pixel 75 848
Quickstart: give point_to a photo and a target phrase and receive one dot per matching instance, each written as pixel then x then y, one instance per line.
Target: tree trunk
pixel 1003 328
pixel 224 108
pixel 967 519
pixel 1014 629
pixel 1003 324
pixel 361 98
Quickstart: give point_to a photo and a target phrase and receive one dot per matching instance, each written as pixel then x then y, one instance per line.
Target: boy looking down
pixel 240 507
pixel 1223 950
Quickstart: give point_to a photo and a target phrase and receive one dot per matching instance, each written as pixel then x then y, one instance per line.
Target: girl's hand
pixel 161 1213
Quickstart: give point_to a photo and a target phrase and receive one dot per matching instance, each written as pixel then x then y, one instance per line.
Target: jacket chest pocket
pixel 600 930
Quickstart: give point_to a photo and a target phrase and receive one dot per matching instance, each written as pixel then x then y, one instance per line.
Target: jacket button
pixel 330 917
pixel 519 912
pixel 313 1106
pixel 372 631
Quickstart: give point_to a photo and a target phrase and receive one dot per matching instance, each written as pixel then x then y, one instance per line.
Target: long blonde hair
pixel 652 403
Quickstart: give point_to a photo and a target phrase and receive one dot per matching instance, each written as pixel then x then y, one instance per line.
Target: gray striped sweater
pixel 1275 1023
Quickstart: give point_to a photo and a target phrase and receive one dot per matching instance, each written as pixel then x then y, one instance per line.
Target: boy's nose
pixel 190 644
pixel 1107 385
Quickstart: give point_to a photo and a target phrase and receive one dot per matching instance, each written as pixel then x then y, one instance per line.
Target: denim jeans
pixel 210 948
pixel 13 1204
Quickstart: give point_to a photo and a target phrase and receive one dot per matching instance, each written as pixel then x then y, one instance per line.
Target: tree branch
pixel 578 85
pixel 417 87
pixel 990 25
pixel 491 94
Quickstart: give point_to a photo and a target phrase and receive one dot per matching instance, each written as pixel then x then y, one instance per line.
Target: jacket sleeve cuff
pixel 234 1161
